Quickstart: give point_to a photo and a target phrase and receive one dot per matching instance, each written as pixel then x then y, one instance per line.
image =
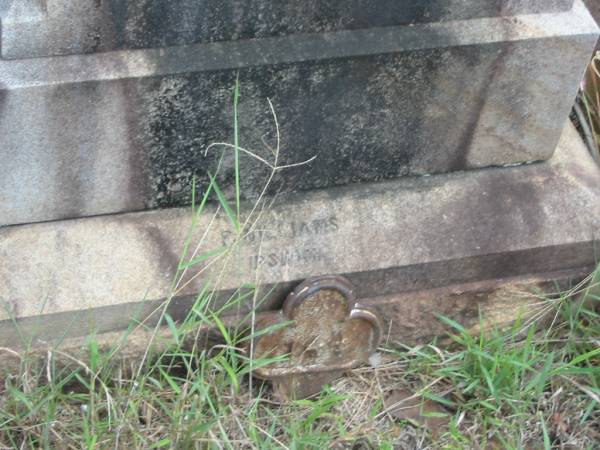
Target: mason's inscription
pixel 288 257
pixel 315 227
pixel 292 229
pixel 289 242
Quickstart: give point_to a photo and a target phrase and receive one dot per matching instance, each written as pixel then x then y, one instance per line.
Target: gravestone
pixel 108 106
pixel 437 158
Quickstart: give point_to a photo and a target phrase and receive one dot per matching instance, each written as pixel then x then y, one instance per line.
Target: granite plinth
pixel 97 274
pixel 126 130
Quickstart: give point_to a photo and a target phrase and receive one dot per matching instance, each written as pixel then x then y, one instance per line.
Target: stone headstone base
pixel 410 318
pixel 394 240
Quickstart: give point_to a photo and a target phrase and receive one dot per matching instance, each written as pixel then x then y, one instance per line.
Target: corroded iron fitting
pixel 328 333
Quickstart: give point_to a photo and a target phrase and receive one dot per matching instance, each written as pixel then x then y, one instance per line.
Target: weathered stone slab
pixel 57 27
pixel 126 130
pixel 398 236
pixel 410 318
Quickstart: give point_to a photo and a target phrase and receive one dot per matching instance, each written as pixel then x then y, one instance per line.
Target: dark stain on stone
pixel 168 259
pixel 94 39
pixel 118 13
pixel 135 24
pixel 74 166
pixel 494 72
pixel 3 94
pixel 508 206
pixel 137 177
pixel 498 265
pixel 349 113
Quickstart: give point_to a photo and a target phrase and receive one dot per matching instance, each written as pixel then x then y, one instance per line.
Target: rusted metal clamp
pixel 329 333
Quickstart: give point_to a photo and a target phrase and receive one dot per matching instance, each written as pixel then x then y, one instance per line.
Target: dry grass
pixel 541 390
pixel 588 107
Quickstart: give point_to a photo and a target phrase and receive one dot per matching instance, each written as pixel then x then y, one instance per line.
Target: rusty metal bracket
pixel 329 333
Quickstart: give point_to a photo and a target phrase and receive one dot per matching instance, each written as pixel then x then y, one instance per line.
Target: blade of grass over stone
pixel 454 324
pixel 205 256
pixel 195 217
pixel 222 363
pixel 222 329
pixel 439 399
pixel 172 327
pixel 261 362
pixel 193 195
pixel 266 330
pixel 236 139
pixel 170 380
pixel 224 203
pixel 166 442
pixel 547 443
pixel 94 355
pixel 197 312
pixel 539 381
pixel 15 324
